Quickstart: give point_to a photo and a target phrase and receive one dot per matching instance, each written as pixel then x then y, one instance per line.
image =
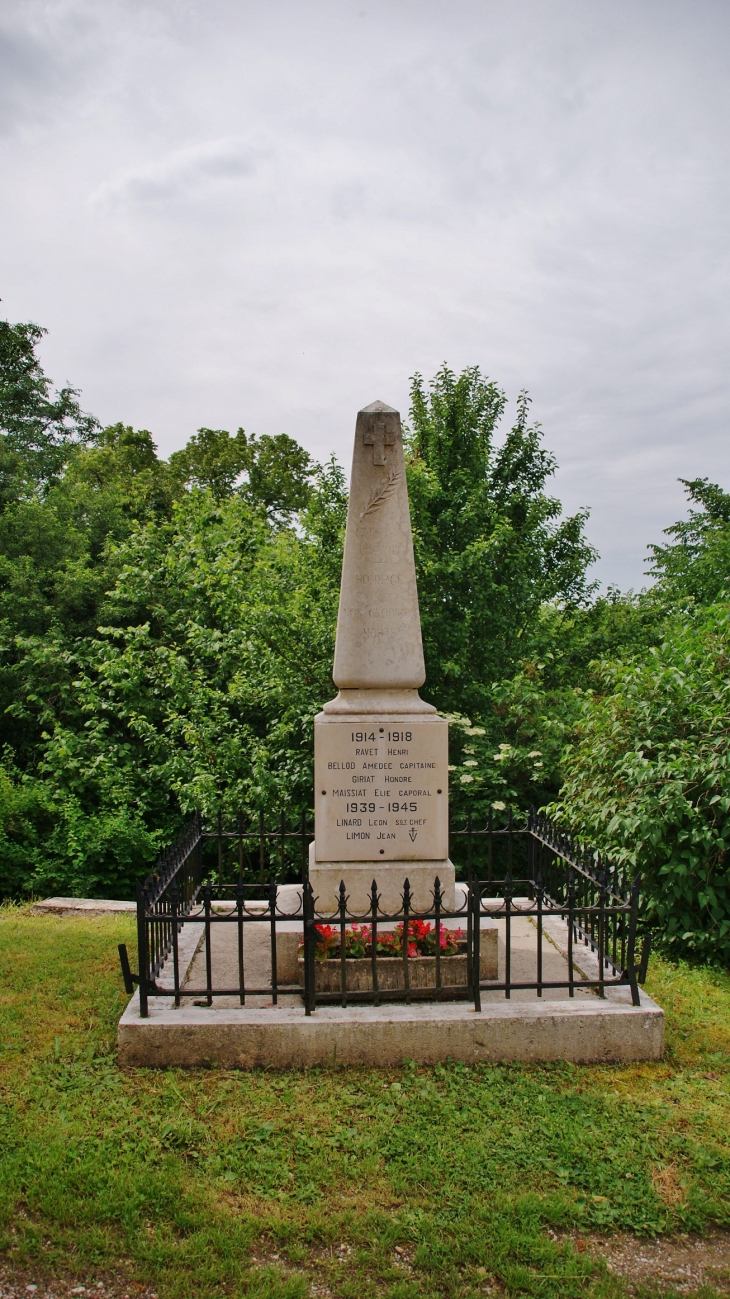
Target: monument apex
pixel 379 647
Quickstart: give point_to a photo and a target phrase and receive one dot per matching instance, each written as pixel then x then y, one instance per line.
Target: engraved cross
pixel 379 438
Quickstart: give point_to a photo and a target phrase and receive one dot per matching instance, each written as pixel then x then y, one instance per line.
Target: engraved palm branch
pixel 382 493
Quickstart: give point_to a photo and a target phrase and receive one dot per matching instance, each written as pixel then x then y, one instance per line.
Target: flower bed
pixel 359 941
pixel 421 940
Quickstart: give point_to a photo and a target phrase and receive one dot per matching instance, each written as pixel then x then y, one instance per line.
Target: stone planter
pixel 421 970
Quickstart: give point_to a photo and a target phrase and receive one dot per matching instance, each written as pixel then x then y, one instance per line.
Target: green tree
pixel 695 566
pixel 212 459
pixel 38 425
pixel 271 471
pixel 57 552
pixel 619 624
pixel 199 690
pixel 491 547
pixel 279 474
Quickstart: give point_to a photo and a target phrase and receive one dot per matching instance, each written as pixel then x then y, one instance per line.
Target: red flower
pixel 421 940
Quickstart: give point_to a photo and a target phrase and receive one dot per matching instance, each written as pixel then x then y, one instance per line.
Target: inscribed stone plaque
pixel 381 789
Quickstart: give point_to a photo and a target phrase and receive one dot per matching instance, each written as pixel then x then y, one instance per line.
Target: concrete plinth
pixel 284 1038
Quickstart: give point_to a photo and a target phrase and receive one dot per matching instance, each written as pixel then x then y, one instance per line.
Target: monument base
pixel 588 1031
pixel 583 1028
pixel 325 878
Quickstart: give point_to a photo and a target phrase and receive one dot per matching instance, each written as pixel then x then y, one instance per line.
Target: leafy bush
pixel 511 758
pixel 648 781
pixel 26 818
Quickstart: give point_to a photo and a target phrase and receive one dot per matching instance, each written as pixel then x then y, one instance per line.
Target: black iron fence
pixel 596 907
pixel 214 876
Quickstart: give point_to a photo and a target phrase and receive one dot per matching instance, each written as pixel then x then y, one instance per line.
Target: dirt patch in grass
pixel 679 1263
pixel 24 1284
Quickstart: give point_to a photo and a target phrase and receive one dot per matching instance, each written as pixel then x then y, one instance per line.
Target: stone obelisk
pixel 380 751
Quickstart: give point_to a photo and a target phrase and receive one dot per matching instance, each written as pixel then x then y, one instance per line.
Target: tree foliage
pixel 695 565
pixel 195 690
pixel 648 781
pixel 271 471
pixel 491 546
pixel 167 633
pixel 38 425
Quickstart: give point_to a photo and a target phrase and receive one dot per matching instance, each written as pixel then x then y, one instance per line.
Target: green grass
pixel 193 1180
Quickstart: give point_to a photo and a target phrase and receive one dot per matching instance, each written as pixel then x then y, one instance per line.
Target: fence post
pixel 437 898
pixel 343 950
pixel 469 918
pixel 571 927
pixel 508 935
pixel 142 951
pixel 374 939
pixel 272 907
pixel 310 942
pixel 174 906
pixel 631 956
pixel 540 901
pixel 239 926
pixel 207 897
pixel 476 903
pixel 602 889
pixel 220 849
pixel 406 936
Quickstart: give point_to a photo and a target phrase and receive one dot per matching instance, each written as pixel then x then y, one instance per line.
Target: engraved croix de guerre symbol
pixel 379 438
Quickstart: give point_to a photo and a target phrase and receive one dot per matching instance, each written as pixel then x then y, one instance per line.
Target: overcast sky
pixel 229 212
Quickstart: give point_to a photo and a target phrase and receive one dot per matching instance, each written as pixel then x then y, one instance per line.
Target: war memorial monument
pixel 546 987
pixel 380 751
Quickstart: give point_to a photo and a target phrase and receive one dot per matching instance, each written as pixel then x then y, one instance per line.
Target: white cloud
pixel 181 173
pixel 233 213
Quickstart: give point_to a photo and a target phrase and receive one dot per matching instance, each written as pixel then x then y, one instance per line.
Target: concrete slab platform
pixel 82 907
pixel 282 1037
